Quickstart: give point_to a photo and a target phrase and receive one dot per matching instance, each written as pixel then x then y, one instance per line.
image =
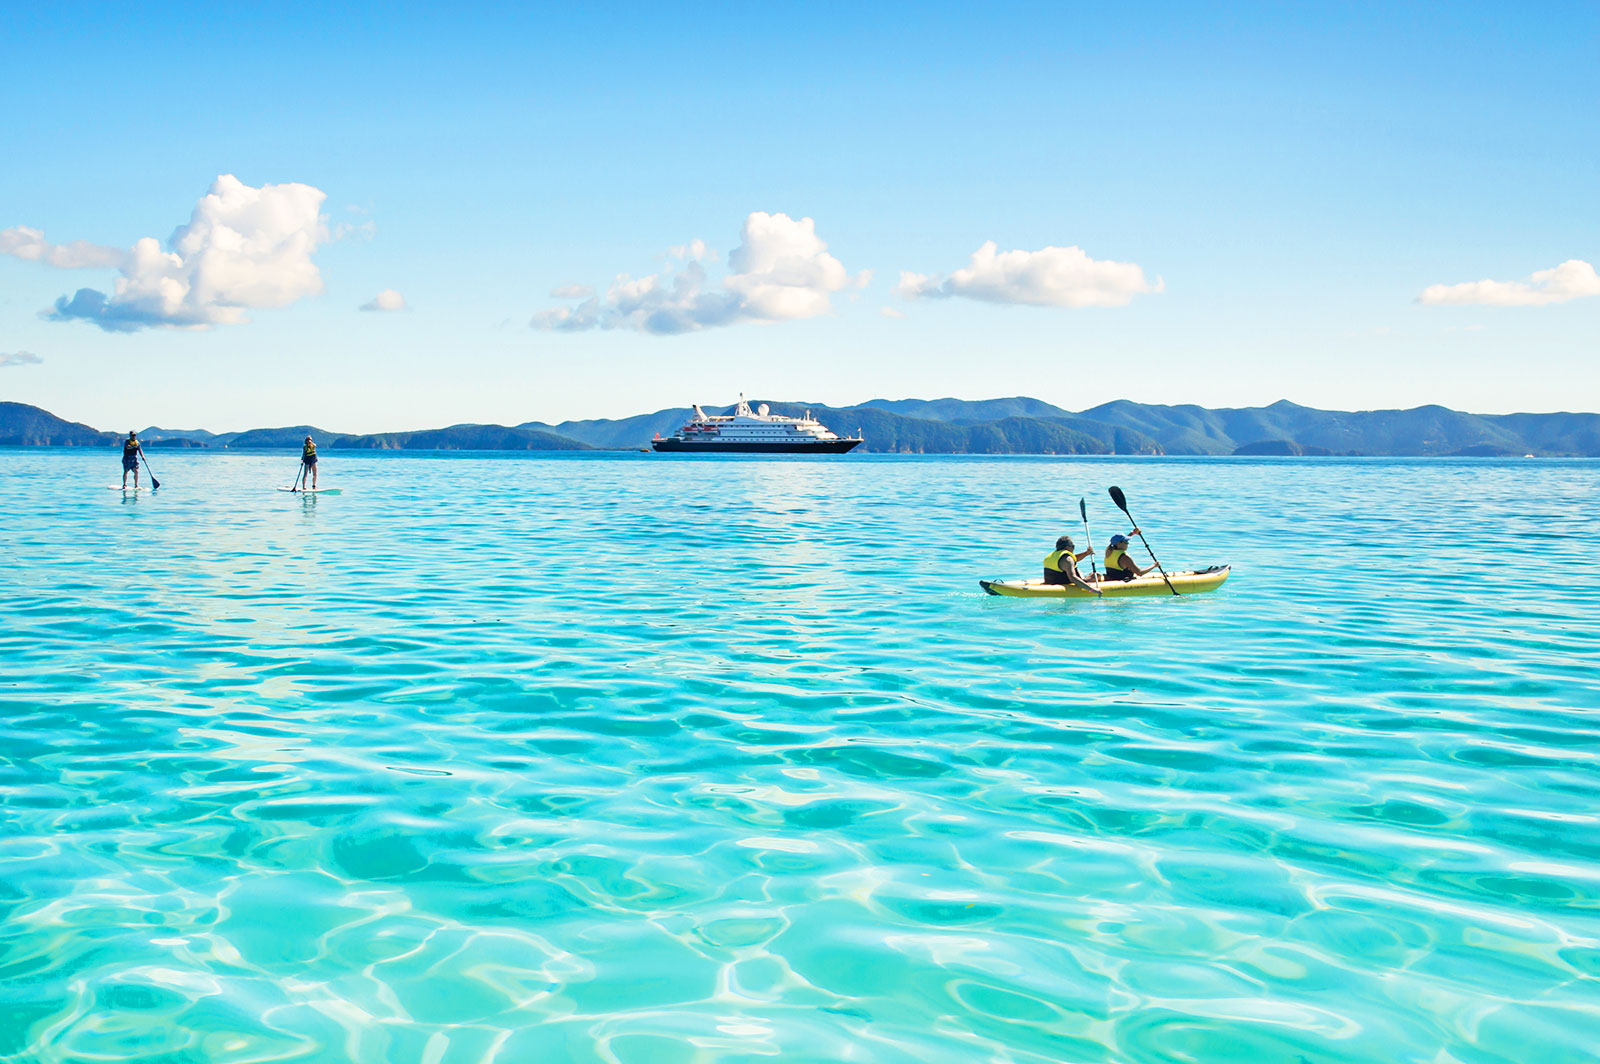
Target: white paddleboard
pixel 130 487
pixel 313 491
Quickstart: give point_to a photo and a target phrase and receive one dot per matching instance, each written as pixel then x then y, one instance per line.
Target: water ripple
pixel 623 759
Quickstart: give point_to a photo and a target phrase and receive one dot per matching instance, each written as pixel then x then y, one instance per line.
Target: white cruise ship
pixel 746 431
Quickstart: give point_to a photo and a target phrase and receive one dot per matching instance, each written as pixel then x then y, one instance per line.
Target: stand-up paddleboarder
pixel 131 452
pixel 308 460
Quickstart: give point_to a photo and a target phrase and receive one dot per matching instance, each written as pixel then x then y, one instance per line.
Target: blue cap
pixel 1118 539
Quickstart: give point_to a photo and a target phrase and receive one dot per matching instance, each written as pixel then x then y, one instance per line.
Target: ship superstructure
pixel 755 431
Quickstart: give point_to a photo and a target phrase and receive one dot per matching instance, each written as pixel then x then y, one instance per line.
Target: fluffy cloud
pixel 388 299
pixel 781 270
pixel 572 291
pixel 1049 277
pixel 244 247
pixel 19 358
pixel 1573 279
pixel 24 243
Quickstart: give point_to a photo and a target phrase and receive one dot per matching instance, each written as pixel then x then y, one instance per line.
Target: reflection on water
pixel 626 758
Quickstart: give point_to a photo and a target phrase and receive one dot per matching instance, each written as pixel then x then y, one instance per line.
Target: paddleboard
pixel 119 487
pixel 313 491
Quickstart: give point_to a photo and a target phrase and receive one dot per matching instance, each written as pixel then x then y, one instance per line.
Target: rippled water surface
pixel 637 759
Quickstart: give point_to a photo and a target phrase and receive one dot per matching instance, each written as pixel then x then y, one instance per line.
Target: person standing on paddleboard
pixel 308 458
pixel 1118 565
pixel 131 451
pixel 1061 565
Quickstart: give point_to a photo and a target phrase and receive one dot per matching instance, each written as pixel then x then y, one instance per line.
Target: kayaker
pixel 1061 565
pixel 1118 565
pixel 308 458
pixel 131 451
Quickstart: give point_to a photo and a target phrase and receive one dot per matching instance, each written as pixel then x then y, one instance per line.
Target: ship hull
pixel 701 447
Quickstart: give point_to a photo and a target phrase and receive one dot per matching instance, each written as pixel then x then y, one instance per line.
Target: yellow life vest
pixel 130 448
pixel 1052 561
pixel 308 451
pixel 1114 557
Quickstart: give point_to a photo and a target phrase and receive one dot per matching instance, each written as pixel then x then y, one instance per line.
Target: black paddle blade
pixel 1120 499
pixel 1083 510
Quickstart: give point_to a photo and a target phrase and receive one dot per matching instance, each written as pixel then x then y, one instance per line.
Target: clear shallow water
pixel 626 758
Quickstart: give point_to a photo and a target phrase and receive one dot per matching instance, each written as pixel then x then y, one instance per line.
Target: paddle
pixel 298 474
pixel 154 483
pixel 1122 504
pixel 1088 540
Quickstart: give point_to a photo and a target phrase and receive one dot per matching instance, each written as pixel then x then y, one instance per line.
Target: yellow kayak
pixel 1190 582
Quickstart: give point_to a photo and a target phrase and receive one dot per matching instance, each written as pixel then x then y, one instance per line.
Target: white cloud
pixel 1573 279
pixel 19 358
pixel 388 299
pixel 244 247
pixel 572 291
pixel 358 231
pixel 780 271
pixel 891 312
pixel 1049 277
pixel 30 244
pixel 694 249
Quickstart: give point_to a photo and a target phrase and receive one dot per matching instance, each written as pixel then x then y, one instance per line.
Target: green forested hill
pixel 620 433
pixel 290 436
pixel 968 409
pixel 1423 430
pixel 463 438
pixel 1552 433
pixel 22 425
pixel 888 432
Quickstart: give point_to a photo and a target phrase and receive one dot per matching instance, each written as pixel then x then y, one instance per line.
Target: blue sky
pixel 1296 195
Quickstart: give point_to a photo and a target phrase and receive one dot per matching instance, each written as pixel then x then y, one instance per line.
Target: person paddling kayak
pixel 1118 565
pixel 131 451
pixel 308 459
pixel 1061 565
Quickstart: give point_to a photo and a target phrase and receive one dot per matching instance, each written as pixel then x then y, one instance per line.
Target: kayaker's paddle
pixel 1088 540
pixel 154 483
pixel 1122 504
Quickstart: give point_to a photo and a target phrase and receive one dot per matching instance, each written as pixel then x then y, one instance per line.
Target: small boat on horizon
pixel 758 431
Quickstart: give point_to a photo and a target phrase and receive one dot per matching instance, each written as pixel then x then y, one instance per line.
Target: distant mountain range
pixel 463 438
pixel 1017 425
pixel 1022 425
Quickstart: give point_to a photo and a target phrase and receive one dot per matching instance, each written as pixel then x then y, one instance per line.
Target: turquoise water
pixel 632 759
